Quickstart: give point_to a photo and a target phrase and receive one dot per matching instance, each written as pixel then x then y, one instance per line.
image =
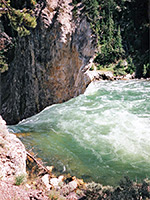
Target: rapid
pixel 101 135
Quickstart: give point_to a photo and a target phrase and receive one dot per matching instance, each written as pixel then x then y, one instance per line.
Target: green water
pixel 101 135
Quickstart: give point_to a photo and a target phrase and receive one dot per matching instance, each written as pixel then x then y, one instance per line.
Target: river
pixel 101 135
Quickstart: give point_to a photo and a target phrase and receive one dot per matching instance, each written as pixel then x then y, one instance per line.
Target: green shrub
pixel 21 22
pixel 19 179
pixel 131 66
pixel 3 63
pixel 119 69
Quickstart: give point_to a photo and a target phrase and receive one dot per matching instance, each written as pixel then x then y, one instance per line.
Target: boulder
pixel 45 181
pixel 57 182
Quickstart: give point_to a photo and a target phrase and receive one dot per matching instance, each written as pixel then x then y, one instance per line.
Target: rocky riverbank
pixel 98 75
pixel 16 181
pixel 25 177
pixel 12 155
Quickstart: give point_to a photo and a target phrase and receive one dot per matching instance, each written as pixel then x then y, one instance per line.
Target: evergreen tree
pixel 110 45
pixel 91 8
pixel 20 20
pixel 118 44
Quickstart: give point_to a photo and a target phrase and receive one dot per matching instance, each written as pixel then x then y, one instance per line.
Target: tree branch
pixel 37 162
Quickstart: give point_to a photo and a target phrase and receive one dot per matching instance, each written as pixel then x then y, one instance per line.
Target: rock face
pixel 12 155
pixel 50 65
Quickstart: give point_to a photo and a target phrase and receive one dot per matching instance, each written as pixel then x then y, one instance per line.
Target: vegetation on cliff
pixel 18 18
pixel 122 28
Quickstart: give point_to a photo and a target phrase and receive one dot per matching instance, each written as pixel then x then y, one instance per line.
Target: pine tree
pixel 20 20
pixel 118 44
pixel 92 13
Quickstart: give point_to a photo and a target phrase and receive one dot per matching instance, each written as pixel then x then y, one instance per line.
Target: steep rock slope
pixel 12 155
pixel 50 65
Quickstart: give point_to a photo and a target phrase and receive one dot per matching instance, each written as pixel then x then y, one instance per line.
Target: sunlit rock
pixel 12 155
pixel 45 181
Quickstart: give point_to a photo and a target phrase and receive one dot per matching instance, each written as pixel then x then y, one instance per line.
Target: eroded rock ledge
pixel 50 65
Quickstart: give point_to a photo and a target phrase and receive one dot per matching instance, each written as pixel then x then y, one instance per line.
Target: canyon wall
pixel 50 65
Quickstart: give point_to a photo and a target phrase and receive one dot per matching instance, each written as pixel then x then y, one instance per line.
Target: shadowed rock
pixel 50 65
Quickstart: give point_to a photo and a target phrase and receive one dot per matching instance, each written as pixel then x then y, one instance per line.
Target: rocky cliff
pixel 49 66
pixel 12 155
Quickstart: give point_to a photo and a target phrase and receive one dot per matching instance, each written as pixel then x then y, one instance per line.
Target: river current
pixel 101 135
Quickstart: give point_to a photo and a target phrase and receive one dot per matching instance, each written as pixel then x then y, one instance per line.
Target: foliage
pixel 125 190
pixel 146 71
pixel 124 67
pixel 109 36
pixel 92 68
pixel 3 63
pixel 131 66
pixel 91 9
pixel 120 69
pixel 111 48
pixel 19 179
pixel 20 20
pixel 122 28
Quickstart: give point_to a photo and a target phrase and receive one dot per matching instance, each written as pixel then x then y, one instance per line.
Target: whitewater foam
pixel 106 129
